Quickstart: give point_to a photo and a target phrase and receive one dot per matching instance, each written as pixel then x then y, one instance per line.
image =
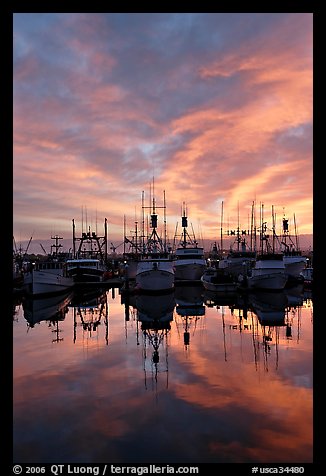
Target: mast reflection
pixel 154 314
pixel 90 310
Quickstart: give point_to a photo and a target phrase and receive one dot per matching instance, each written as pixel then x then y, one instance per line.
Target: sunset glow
pixel 216 106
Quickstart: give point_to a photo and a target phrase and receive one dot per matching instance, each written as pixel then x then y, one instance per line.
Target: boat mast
pixel 184 225
pixel 74 237
pixel 251 226
pixel 273 223
pixel 124 236
pixel 222 227
pixel 261 228
pixel 164 218
pixel 56 246
pixel 238 229
pixel 296 234
pixel 105 239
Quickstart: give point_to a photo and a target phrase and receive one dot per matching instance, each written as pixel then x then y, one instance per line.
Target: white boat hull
pixel 237 265
pixel 44 282
pixel 268 273
pixel 218 281
pixel 189 271
pixel 155 275
pixel 272 280
pixel 189 263
pixel 86 270
pixel 224 288
pixel 294 265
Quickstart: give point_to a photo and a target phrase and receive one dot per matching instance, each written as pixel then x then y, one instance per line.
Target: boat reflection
pixel 155 313
pixel 90 310
pixel 46 309
pixel 295 295
pixel 189 309
pixel 269 307
pixel 51 309
pixel 212 299
pixel 263 322
pixel 155 308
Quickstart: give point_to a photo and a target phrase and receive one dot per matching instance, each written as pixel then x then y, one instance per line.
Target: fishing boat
pixel 219 281
pixel 132 251
pixel 238 262
pixel 155 272
pixel 48 276
pixel 189 261
pixel 19 263
pixel 268 272
pixel 89 261
pixel 155 268
pixel 240 258
pixel 294 262
pixel 84 270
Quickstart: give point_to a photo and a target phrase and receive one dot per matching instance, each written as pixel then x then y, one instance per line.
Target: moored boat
pixel 294 262
pixel 49 276
pixel 155 268
pixel 218 280
pixel 189 261
pixel 89 261
pixel 84 270
pixel 268 272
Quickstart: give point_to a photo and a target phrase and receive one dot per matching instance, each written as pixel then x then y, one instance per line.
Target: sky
pixel 215 109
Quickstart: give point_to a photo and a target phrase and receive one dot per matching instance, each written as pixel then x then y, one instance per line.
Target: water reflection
pixel 52 309
pixel 269 307
pixel 90 310
pixel 237 372
pixel 155 313
pixel 189 309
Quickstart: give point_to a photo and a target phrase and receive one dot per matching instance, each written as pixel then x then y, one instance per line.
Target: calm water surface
pixel 180 378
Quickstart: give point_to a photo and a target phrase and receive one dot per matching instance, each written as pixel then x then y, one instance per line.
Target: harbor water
pixel 183 377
